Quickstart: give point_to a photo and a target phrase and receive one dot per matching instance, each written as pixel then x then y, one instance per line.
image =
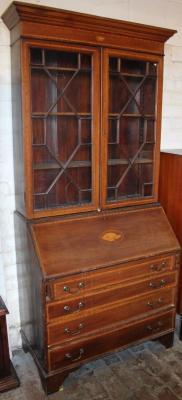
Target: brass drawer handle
pixel 81 285
pixel 156 303
pixel 158 267
pixel 156 328
pixel 157 285
pixel 69 356
pixel 74 331
pixel 79 307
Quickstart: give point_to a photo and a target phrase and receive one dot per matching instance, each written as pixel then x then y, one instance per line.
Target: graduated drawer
pixel 113 293
pixel 79 284
pixel 74 353
pixel 71 328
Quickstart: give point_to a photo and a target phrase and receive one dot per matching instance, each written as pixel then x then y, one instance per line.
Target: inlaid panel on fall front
pixel 131 128
pixel 61 105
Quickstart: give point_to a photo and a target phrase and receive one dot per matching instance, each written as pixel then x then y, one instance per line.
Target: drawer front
pixel 110 294
pixel 98 318
pixel 78 285
pixel 61 357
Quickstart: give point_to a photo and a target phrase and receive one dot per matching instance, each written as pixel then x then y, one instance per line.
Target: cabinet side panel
pixel 170 190
pixel 30 287
pixel 170 196
pixel 17 126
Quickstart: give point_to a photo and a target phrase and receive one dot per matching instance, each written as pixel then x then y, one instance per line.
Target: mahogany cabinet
pixel 8 377
pixel 170 195
pixel 97 259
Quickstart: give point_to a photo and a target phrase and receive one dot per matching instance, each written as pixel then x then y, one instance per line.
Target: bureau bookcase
pixel 97 259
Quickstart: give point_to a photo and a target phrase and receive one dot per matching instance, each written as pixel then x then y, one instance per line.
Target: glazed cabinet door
pixel 132 90
pixel 61 107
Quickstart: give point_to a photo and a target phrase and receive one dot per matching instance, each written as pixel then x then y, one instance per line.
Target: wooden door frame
pixel 104 139
pixel 27 134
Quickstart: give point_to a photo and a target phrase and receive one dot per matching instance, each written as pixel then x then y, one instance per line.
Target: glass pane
pixel 116 101
pixel 61 59
pixel 133 66
pixel 148 103
pixel 36 56
pixel 61 103
pixel 131 136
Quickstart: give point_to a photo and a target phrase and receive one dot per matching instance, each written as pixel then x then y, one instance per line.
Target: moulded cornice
pixel 18 12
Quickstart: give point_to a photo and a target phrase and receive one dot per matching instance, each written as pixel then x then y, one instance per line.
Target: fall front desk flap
pixel 70 246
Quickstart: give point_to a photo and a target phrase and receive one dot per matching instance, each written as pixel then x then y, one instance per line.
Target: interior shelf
pixel 130 75
pixel 59 114
pixel 64 69
pixel 129 196
pixel 133 115
pixel 82 164
pixel 52 165
pixel 123 161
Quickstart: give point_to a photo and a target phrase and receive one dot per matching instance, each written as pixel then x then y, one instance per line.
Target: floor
pixel 144 372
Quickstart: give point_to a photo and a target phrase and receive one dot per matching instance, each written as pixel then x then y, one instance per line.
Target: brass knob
pixel 153 285
pixel 66 308
pixel 81 304
pixel 81 285
pixel 160 300
pixel 150 304
pixel 66 289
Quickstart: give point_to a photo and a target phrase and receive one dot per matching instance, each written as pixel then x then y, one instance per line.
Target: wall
pixel 166 13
